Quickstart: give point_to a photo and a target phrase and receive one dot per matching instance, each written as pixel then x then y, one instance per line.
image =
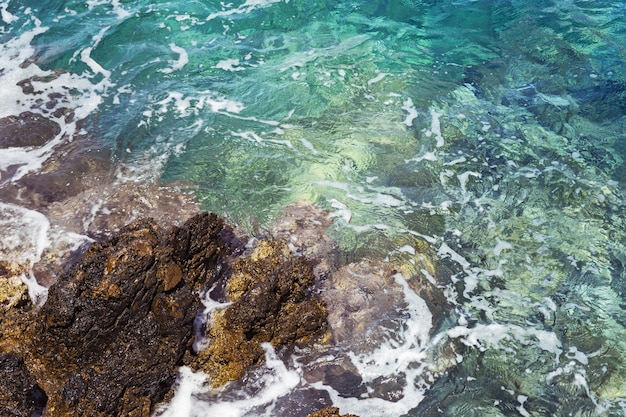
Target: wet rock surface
pixel 27 129
pixel 271 298
pixel 20 396
pixel 118 322
pixel 77 194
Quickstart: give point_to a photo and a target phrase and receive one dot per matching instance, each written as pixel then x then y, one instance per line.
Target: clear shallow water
pixel 491 130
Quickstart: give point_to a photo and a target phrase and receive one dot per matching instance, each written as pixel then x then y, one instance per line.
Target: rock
pixel 329 412
pixel 304 227
pixel 338 373
pixel 20 396
pixel 13 292
pixel 359 295
pixel 74 167
pixel 103 210
pixel 116 325
pixel 119 322
pixel 272 302
pixel 27 129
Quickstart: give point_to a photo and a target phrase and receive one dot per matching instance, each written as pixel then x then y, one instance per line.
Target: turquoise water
pixel 493 131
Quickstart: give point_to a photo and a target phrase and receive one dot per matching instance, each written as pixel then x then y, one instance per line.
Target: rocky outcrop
pixel 116 325
pixel 119 322
pixel 271 298
pixel 27 129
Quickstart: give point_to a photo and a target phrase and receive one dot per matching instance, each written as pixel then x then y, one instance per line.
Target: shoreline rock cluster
pixel 120 321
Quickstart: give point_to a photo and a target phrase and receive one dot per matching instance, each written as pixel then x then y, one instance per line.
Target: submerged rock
pixel 304 227
pixel 272 302
pixel 103 210
pixel 27 129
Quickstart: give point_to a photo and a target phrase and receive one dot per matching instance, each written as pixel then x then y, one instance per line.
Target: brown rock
pixel 271 302
pixel 13 292
pixel 27 129
pixel 116 325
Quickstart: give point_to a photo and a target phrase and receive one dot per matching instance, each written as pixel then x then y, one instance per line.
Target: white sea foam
pixel 435 128
pixel 188 384
pixel 115 4
pixel 86 96
pixel 500 246
pixel 427 156
pixel 342 211
pixel 186 105
pixel 458 160
pixel 7 17
pixel 411 110
pixel 386 200
pixel 175 65
pixel 248 135
pixel 522 399
pixel 407 249
pixel 308 145
pixel 464 177
pixel 229 65
pixel 377 78
pixel 373 197
pixel 494 336
pixel 24 239
pixel 247 7
pixel 210 306
pixel 25 234
pixel 12 54
pixel 85 55
pixel 406 355
pixel 447 251
pixel 272 380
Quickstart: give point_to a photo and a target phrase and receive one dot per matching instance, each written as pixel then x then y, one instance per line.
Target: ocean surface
pixel 483 138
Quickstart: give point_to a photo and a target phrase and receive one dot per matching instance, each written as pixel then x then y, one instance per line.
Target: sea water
pixel 491 131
